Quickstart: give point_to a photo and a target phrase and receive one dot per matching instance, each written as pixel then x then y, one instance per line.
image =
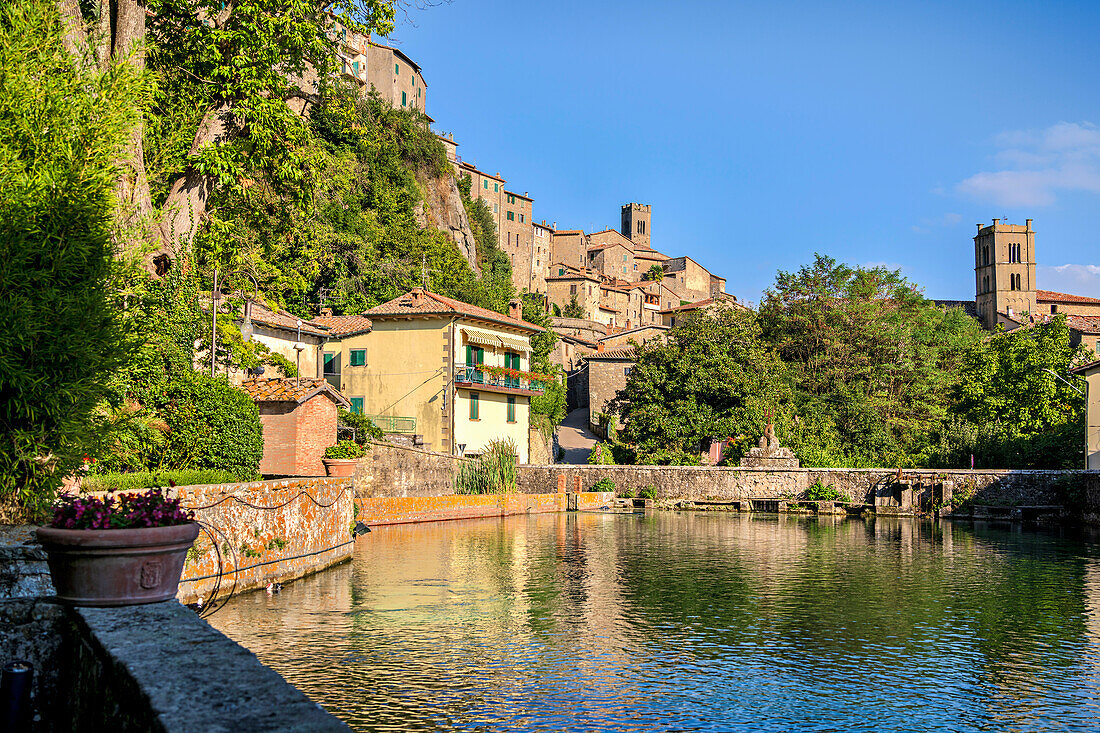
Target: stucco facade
pixel 1091 373
pixel 396 77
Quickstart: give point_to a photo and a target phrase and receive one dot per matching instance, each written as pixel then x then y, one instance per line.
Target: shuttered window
pixel 357 357
pixel 474 411
pixel 511 409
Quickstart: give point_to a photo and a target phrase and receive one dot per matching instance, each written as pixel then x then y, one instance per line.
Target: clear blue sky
pixel 761 132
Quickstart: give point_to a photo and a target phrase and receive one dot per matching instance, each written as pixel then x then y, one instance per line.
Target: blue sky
pixel 761 132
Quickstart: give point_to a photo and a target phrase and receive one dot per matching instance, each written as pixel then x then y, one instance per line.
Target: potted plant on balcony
pixel 118 551
pixel 340 459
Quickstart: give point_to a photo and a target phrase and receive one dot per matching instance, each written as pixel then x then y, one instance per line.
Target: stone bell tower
pixel 1004 271
pixel 635 224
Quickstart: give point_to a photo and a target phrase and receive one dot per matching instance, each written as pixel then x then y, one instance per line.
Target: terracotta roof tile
pixel 1085 367
pixel 344 325
pixel 282 319
pixel 284 389
pixel 623 352
pixel 435 304
pixel 1084 324
pixel 1051 296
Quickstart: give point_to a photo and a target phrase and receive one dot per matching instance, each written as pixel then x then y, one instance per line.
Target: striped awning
pixel 515 342
pixel 481 338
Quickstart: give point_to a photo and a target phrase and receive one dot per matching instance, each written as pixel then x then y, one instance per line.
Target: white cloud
pixel 1074 279
pixel 1034 165
pixel 945 220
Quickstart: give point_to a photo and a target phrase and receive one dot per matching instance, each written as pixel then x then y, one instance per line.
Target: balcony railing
pixel 394 423
pixel 477 375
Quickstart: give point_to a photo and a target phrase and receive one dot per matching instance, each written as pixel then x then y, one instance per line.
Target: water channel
pixel 682 621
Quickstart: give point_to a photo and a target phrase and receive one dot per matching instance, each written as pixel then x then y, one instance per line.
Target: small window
pixel 357 357
pixel 521 218
pixel 1053 309
pixel 511 216
pixel 403 99
pixel 511 409
pixel 484 184
pixel 474 408
pixel 496 188
pixel 332 364
pixel 396 70
pixel 626 371
pixel 496 208
pixel 357 405
pixel 572 290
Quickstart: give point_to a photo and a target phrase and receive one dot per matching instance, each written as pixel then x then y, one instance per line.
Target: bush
pixel 601 455
pixel 211 424
pixel 362 425
pixel 345 449
pixel 649 492
pixel 493 472
pixel 824 492
pixel 62 127
pixel 154 479
pixel 604 484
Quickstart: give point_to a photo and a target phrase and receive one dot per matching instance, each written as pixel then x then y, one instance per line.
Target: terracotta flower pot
pixel 340 467
pixel 117 567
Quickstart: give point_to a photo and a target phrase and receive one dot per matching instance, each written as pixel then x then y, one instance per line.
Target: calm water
pixel 693 622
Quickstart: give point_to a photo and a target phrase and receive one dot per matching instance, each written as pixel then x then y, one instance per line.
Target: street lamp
pixel 246 328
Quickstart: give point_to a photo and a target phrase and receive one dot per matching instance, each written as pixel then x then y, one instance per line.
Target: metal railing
pixel 394 423
pixel 475 374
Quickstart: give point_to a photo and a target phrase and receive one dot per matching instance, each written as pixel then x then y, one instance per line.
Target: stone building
pixel 1006 292
pixel 516 232
pixel 299 418
pixel 612 259
pixel 580 284
pixel 691 281
pixel 635 224
pixel 541 235
pixel 1091 373
pixel 672 316
pixel 607 373
pixel 569 247
pixel 397 78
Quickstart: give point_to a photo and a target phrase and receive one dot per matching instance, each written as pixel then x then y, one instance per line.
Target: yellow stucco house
pixel 427 365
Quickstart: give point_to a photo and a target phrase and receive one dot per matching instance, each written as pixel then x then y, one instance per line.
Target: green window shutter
pixel 357 405
pixel 357 357
pixel 485 184
pixel 511 409
pixel 480 354
pixel 403 99
pixel 474 412
pixel 496 187
pixel 469 354
pixel 396 70
pixel 511 216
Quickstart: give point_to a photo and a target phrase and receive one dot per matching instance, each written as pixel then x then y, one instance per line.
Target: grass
pixel 153 479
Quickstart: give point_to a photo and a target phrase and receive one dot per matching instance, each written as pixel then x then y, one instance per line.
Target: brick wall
pixel 296 435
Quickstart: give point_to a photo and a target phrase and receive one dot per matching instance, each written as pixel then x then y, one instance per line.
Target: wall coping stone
pixel 193 677
pixel 410 449
pixel 810 469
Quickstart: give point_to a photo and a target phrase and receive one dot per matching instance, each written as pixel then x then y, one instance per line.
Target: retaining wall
pixel 397 470
pixel 402 509
pixel 859 485
pixel 266 531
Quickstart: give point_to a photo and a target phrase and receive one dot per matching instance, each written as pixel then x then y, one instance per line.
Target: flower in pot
pixel 340 459
pixel 118 551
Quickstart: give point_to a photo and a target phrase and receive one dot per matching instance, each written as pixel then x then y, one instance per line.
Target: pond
pixel 685 621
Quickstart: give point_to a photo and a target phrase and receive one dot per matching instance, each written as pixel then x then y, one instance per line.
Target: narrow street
pixel 574 437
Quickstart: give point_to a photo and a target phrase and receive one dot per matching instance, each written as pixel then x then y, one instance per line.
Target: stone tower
pixel 635 223
pixel 1004 271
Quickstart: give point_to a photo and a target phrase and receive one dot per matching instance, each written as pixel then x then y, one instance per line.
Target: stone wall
pixel 394 470
pixel 859 485
pixel 406 509
pixel 267 531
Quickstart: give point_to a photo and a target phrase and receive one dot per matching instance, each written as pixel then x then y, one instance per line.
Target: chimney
pixel 996 221
pixel 600 347
pixel 417 297
pixel 515 309
pixel 1027 224
pixel 326 312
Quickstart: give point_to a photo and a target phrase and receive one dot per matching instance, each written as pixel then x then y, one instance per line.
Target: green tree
pixel 655 272
pixel 874 362
pixel 1010 408
pixel 547 409
pixel 62 128
pixel 572 309
pixel 715 377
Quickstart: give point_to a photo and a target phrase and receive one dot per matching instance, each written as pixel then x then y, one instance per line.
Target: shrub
pixel 493 472
pixel 153 479
pixel 626 494
pixel 346 449
pixel 649 492
pixel 212 424
pixel 824 492
pixel 62 127
pixel 601 455
pixel 604 484
pixel 362 425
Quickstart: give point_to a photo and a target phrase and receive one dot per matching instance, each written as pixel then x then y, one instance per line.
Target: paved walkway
pixel 574 437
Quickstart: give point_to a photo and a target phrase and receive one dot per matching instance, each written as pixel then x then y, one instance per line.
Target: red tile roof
pixel 1084 324
pixel 1049 296
pixel 284 389
pixel 624 352
pixel 344 325
pixel 282 319
pixel 1085 367
pixel 435 304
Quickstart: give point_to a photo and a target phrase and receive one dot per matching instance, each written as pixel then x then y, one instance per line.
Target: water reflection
pixel 693 622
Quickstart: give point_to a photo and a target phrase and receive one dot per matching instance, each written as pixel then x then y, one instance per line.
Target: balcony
pixel 496 379
pixel 394 424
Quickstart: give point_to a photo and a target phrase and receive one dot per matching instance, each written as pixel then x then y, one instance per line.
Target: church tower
pixel 1004 271
pixel 635 224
